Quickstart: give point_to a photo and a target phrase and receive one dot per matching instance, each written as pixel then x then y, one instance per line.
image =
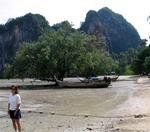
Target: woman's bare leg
pixel 18 125
pixel 14 124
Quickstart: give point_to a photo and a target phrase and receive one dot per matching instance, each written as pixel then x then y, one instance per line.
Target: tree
pixel 141 62
pixel 125 59
pixel 95 63
pixel 62 52
pixel 8 72
pixel 147 64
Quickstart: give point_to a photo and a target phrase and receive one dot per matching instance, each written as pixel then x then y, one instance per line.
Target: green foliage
pixel 128 70
pixel 96 63
pixel 8 72
pixel 142 61
pixel 125 59
pixel 63 25
pixel 62 53
pixel 21 63
pixel 2 29
pixel 33 24
pixel 147 64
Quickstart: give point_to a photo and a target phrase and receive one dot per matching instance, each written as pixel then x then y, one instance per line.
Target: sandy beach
pixel 123 107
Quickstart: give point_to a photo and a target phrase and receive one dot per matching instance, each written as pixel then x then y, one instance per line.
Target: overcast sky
pixel 55 11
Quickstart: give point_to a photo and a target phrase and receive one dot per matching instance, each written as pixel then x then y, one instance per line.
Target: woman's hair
pixel 15 88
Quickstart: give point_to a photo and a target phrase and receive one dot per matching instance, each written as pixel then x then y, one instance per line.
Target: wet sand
pixel 124 107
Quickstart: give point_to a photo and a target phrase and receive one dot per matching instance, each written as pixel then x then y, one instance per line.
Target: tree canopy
pixel 61 52
pixel 142 61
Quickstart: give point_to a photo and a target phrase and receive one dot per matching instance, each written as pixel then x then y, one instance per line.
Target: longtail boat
pixel 84 84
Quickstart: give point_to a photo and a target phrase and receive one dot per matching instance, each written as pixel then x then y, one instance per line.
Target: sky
pixel 55 11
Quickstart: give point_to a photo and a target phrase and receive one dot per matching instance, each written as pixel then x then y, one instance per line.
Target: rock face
pixel 16 31
pixel 119 33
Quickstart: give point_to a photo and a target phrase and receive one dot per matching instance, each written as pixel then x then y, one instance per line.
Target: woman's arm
pixel 18 106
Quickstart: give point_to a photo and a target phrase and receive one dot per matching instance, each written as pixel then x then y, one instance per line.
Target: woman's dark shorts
pixel 17 116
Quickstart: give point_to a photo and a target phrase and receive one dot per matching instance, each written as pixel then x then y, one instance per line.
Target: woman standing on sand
pixel 14 103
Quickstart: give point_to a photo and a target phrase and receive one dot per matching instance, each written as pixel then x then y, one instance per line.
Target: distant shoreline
pixel 32 84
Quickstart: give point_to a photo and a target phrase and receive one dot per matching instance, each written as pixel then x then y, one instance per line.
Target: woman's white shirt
pixel 14 100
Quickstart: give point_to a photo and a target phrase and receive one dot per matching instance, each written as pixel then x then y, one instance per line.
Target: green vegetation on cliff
pixel 119 34
pixel 16 31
